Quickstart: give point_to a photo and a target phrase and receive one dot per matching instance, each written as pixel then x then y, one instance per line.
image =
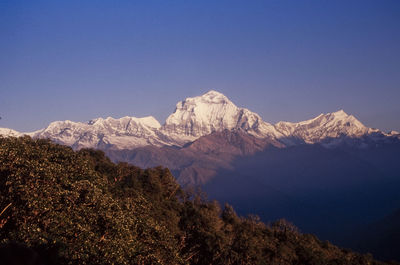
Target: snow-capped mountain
pixel 331 125
pixel 200 116
pixel 9 132
pixel 330 129
pixel 213 112
pixel 123 133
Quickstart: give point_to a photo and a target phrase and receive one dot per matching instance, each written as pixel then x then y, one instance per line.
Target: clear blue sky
pixel 286 60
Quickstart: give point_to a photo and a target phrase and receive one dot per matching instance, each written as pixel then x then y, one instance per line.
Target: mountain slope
pixel 382 237
pixel 76 208
pixel 197 162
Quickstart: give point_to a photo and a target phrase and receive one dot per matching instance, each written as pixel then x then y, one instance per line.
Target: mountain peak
pixel 343 118
pixel 211 97
pixel 212 112
pixel 201 115
pixel 148 121
pixel 212 94
pixel 340 112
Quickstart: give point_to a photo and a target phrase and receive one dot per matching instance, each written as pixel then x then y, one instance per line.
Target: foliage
pixel 80 208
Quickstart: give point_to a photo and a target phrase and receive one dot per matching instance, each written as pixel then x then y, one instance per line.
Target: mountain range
pixel 330 175
pixel 205 134
pixel 201 116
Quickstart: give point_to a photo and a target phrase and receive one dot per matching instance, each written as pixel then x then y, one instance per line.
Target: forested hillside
pixel 80 208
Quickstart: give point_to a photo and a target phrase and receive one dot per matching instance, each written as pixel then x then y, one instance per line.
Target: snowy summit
pixel 213 111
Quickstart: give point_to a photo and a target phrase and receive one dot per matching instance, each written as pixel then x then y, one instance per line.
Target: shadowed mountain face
pixel 381 237
pixel 79 208
pixel 333 192
pixel 197 162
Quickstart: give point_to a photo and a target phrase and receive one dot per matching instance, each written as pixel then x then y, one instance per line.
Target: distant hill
pixel 330 192
pixel 382 237
pixel 72 207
